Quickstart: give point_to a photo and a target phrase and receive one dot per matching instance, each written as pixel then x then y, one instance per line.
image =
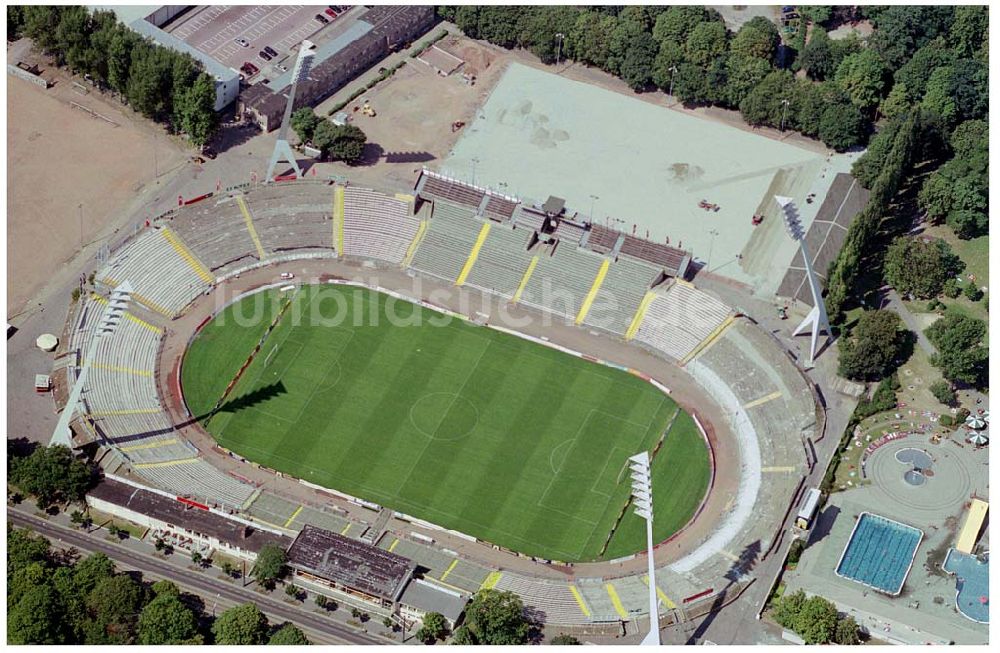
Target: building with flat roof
pixel 421 597
pixel 182 522
pixel 147 20
pixel 350 566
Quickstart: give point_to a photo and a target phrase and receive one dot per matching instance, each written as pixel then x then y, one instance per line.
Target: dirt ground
pixel 109 166
pixel 415 111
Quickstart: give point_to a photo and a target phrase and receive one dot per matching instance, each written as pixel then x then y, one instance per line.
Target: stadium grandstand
pixel 537 255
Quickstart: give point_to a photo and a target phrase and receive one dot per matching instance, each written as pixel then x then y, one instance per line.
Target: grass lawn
pixel 472 429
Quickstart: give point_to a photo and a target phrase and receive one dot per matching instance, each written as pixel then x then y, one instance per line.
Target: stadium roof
pixel 350 563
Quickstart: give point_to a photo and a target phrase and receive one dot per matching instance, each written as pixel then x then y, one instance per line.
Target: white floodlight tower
pixel 642 499
pixel 817 319
pixel 110 319
pixel 282 150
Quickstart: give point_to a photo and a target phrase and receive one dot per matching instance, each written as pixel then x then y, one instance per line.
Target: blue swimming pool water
pixel 879 553
pixel 973 582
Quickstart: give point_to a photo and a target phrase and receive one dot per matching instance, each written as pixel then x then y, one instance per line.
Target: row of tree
pixel 60 598
pixel 815 619
pixel 336 142
pixel 50 474
pixel 165 85
pixel 687 51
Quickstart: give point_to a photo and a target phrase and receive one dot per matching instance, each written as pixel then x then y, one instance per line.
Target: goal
pixel 270 355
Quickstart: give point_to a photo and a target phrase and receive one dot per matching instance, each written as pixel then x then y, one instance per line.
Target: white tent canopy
pixel 47 342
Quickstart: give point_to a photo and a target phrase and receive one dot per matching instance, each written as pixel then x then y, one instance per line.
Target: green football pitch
pixel 469 428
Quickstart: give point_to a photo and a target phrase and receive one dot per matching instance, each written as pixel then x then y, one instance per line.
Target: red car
pixel 330 12
pixel 249 69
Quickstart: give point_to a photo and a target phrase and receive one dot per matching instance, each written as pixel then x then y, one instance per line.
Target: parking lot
pixel 215 29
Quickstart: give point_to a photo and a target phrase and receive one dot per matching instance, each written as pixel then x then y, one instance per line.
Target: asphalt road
pixel 225 595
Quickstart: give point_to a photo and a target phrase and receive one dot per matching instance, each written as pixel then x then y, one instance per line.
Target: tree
pixel 196 558
pixel 689 84
pixel 497 618
pixel 165 620
pixel 25 580
pixel 123 41
pixel 842 127
pixel 51 474
pixel 758 37
pixel 23 549
pixel 819 58
pixel 763 105
pixel 564 640
pixel 706 42
pixel 897 102
pixel 969 29
pixel 973 292
pixel 165 588
pixel 961 355
pixel 970 138
pixel 943 392
pixel 917 71
pixel 919 268
pixel 677 22
pixel 817 620
pixel 241 625
pixel 289 635
pixel 37 618
pixel 590 38
pixel 743 74
pixel 15 22
pixel 464 636
pixel 670 55
pixel 321 601
pixel 874 347
pixel 197 109
pixel 636 66
pixel 434 627
pixel 862 76
pixel 347 143
pixel 114 605
pixel 846 632
pixel 270 564
pixel 304 123
pixel 292 591
pixel 87 573
pixel 787 608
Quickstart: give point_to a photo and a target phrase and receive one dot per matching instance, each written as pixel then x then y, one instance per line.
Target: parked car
pixel 282 67
pixel 249 69
pixel 271 51
pixel 330 12
pixel 264 55
pixel 322 19
pixel 242 41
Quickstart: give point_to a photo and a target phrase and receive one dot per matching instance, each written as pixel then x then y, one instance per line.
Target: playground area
pixel 69 122
pixel 700 184
pixel 924 483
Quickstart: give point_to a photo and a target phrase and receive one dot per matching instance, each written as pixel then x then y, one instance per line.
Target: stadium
pixel 471 367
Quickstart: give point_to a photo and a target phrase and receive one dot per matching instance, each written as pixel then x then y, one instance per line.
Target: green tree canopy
pixel 89 571
pixel 51 474
pixel 817 620
pixel 706 42
pixel 819 57
pixel 289 635
pixel 842 127
pixel 677 22
pixel 763 105
pixel 166 620
pixel 564 640
pixel 497 618
pixel 862 76
pixel 114 605
pixel 24 548
pixel 304 122
pixel 919 268
pixel 758 37
pixel 961 354
pixel 270 564
pixel 873 348
pixel 241 625
pixel 37 618
pixel 434 627
pixel 969 29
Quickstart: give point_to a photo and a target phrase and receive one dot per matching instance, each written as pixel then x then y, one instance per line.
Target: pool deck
pixel 925 612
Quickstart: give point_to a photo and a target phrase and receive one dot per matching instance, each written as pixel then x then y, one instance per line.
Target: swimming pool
pixel 973 584
pixel 879 553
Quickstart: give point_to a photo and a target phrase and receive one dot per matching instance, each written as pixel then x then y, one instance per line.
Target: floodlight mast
pixel 109 321
pixel 817 319
pixel 282 150
pixel 642 499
